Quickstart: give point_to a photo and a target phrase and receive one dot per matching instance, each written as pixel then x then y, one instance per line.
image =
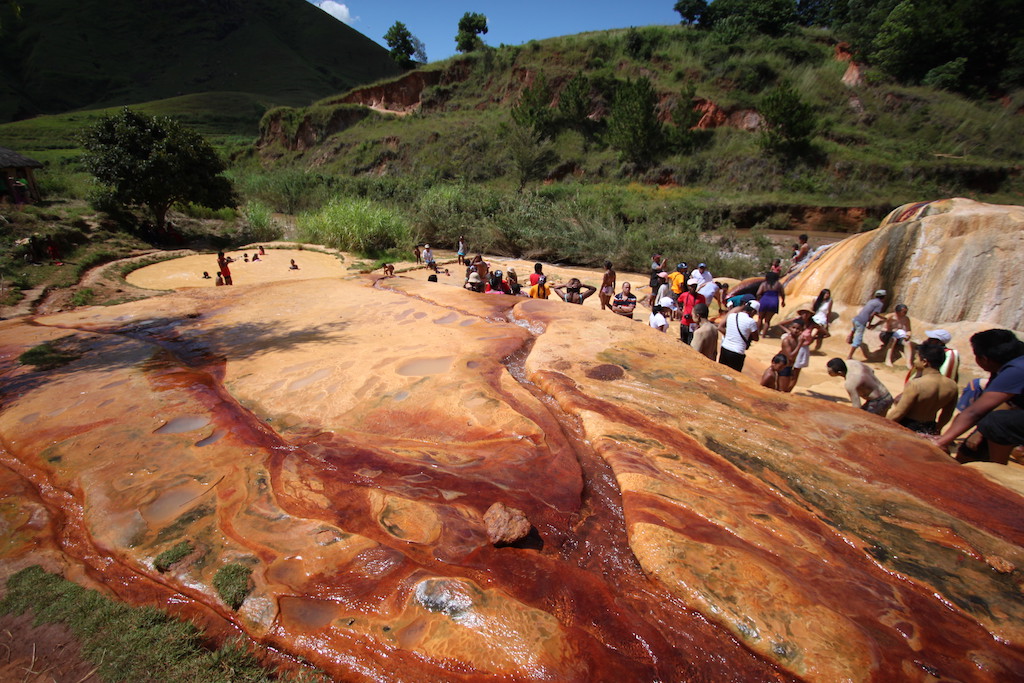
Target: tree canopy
pixel 153 162
pixel 471 25
pixel 401 44
pixel 633 127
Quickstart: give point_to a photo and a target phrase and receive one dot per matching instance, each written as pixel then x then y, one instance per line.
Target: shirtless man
pixel 897 331
pixel 790 347
pixel 574 291
pixel 772 377
pixel 607 286
pixel 705 336
pixel 928 401
pixel 861 383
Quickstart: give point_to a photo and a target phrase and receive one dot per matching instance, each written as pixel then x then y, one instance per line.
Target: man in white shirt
pixel 702 274
pixel 740 329
pixel 657 320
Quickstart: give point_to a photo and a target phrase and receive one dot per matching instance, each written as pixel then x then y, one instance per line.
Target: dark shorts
pixel 786 372
pixel 878 406
pixel 1004 427
pixel 732 359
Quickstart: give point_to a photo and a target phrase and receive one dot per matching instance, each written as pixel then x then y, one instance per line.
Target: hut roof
pixel 11 159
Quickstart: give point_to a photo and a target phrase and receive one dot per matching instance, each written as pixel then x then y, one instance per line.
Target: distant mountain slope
pixel 64 55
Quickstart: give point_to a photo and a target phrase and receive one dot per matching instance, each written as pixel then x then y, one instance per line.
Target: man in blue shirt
pixel 872 309
pixel 1002 354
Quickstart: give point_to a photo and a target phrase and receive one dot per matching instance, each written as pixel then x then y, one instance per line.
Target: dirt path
pixel 41 654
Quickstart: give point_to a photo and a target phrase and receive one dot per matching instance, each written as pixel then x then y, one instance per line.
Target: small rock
pixel 1001 565
pixel 505 524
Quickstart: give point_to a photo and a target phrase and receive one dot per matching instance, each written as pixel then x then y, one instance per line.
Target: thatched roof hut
pixel 19 184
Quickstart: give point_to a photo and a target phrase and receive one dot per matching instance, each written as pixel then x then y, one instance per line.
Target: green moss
pixel 48 356
pixel 173 555
pixel 233 584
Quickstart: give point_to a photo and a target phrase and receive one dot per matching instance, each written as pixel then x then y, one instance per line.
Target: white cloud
pixel 338 10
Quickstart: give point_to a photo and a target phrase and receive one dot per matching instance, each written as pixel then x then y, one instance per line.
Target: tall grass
pixel 354 224
pixel 260 225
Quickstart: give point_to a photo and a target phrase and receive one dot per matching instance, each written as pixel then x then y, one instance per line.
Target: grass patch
pixel 83 297
pixel 232 582
pixel 173 555
pixel 48 356
pixel 130 643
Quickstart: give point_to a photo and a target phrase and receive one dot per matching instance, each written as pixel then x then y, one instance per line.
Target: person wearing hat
pixel 687 300
pixel 927 402
pixel 702 274
pixel 541 289
pixel 950 366
pixel 607 286
pixel 473 282
pixel 677 278
pixel 740 330
pixel 513 282
pixel 1001 353
pixel 428 256
pixel 871 310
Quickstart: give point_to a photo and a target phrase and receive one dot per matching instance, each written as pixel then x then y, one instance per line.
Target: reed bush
pixel 352 224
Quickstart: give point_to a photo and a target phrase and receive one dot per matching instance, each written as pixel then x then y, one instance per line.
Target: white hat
pixel 474 277
pixel 942 335
pixel 693 281
pixel 880 292
pixel 753 305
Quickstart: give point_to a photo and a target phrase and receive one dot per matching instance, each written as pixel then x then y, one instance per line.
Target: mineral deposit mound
pixel 344 439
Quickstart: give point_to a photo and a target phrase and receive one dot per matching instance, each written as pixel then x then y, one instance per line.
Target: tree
pixel 400 40
pixel 772 17
pixel 531 153
pixel 691 11
pixel 633 126
pixel 682 137
pixel 471 25
pixel 574 101
pixel 534 108
pixel 154 162
pixel 789 122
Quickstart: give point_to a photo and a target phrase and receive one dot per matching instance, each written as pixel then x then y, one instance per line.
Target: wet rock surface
pixel 344 440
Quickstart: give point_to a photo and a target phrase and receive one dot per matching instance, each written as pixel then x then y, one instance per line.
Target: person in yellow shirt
pixel 541 290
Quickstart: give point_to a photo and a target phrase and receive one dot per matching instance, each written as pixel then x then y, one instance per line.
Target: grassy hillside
pixel 876 143
pixel 63 55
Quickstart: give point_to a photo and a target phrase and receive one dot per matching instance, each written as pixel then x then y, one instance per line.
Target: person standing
pixel 871 310
pixel 461 250
pixel 861 383
pixel 537 274
pixel 928 401
pixel 687 300
pixel 740 330
pixel 822 310
pixel 677 280
pixel 705 336
pixel 703 275
pixel 771 295
pixel 222 265
pixel 897 330
pixel 657 265
pixel 607 286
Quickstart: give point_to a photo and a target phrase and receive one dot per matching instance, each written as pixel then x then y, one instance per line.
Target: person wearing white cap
pixel 941 338
pixel 871 310
pixel 428 256
pixel 740 329
pixel 702 274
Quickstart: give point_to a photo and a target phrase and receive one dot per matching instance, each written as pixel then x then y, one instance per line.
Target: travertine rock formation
pixel 344 439
pixel 951 260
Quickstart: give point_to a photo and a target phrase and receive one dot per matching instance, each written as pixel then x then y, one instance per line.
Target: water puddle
pixel 212 438
pixel 400 396
pixel 30 418
pixel 466 323
pixel 186 423
pixel 422 367
pixel 450 318
pixel 305 382
pixel 313 615
pixel 172 503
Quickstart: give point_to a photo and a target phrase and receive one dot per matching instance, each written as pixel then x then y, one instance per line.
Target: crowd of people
pixel 224 265
pixel 931 392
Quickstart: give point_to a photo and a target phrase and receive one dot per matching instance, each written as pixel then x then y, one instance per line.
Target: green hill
pixel 62 55
pixel 876 142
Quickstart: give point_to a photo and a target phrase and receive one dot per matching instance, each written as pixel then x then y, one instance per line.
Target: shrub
pixel 83 297
pixel 168 557
pixel 260 225
pixel 358 225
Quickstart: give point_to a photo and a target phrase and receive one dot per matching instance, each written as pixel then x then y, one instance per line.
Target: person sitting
pixel 293 265
pixel 255 258
pixel 574 291
pixel 514 287
pixel 220 280
pixel 262 252
pixel 624 302
pixel 496 284
pixel 772 375
pixel 928 401
pixel 1002 354
pixel 428 255
pixel 541 290
pixel 861 383
pixel 473 282
pixel 537 274
pixel 657 320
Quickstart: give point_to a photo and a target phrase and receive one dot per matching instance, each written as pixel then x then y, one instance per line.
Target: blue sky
pixel 512 23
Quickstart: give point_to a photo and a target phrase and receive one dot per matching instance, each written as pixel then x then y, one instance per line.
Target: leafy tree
pixel 691 11
pixel 531 153
pixel 419 52
pixel 772 17
pixel 533 110
pixel 471 25
pixel 633 126
pixel 154 162
pixel 574 100
pixel 685 117
pixel 789 122
pixel 400 40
